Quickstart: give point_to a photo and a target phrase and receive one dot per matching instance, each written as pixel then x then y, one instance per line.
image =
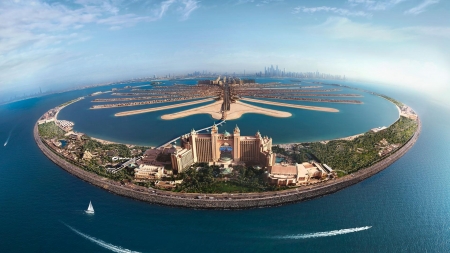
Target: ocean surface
pixel 304 125
pixel 405 208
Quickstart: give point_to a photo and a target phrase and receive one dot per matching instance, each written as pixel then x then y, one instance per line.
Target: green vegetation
pixel 299 154
pixel 50 130
pixel 278 150
pixel 124 175
pixel 350 156
pixel 119 149
pixel 399 104
pixel 74 152
pixel 69 102
pixel 202 178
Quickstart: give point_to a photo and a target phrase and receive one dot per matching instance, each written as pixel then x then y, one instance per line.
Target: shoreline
pixel 227 201
pixel 238 109
pixel 154 109
pixel 105 142
pixel 306 107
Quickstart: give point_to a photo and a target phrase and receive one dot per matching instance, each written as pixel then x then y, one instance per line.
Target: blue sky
pixel 61 44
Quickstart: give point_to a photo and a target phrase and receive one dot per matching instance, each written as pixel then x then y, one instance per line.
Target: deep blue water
pixel 407 205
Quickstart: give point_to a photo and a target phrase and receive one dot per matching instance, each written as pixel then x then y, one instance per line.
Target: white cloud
pixel 375 5
pixel 164 7
pixel 36 35
pixel 188 8
pixel 344 28
pixel 339 11
pixel 257 2
pixel 184 7
pixel 421 7
pixel 35 23
pixel 428 76
pixel 120 21
pixel 244 1
pixel 433 31
pixel 38 24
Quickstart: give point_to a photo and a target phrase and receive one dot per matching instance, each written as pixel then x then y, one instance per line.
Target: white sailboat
pixel 90 209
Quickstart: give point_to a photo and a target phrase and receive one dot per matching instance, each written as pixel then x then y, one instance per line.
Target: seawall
pixel 226 201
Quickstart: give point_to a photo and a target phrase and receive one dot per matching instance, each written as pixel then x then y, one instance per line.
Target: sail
pixel 90 208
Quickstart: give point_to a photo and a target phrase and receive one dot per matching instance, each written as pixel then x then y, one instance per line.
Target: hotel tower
pixel 223 149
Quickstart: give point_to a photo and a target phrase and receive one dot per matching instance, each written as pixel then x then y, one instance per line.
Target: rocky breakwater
pixel 226 201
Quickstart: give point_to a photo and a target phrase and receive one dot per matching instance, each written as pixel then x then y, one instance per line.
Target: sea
pixel 404 208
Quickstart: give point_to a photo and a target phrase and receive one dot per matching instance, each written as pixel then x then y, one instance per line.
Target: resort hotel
pixel 223 149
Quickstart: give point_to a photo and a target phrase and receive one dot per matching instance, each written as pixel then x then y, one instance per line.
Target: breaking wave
pixel 101 243
pixel 324 234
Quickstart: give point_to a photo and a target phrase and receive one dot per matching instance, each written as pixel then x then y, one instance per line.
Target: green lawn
pixel 50 130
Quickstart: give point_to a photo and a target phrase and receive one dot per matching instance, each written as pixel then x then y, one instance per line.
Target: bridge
pixel 226 98
pixel 201 130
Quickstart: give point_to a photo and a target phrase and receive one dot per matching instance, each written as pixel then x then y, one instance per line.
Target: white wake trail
pixel 7 140
pixel 324 234
pixel 101 243
pixel 9 136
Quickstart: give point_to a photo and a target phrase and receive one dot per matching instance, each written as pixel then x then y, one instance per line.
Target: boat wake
pixel 324 234
pixel 9 136
pixel 101 243
pixel 7 140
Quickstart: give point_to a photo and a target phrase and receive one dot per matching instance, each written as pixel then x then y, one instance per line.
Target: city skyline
pixel 54 45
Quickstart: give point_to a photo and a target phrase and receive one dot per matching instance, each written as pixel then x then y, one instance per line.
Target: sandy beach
pixel 237 110
pixel 105 142
pixel 154 109
pixel 306 107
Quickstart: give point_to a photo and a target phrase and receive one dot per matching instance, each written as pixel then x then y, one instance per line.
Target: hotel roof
pixel 284 169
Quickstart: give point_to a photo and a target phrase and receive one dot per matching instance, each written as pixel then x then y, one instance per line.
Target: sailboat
pixel 90 209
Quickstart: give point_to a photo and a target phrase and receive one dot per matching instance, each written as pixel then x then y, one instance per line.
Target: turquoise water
pixel 407 205
pixel 304 125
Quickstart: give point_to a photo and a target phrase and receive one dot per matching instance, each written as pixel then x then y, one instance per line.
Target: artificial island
pixel 221 170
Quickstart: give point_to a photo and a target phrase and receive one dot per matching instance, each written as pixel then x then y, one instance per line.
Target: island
pixel 222 170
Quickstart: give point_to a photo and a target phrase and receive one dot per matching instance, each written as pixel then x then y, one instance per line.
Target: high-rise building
pixel 223 149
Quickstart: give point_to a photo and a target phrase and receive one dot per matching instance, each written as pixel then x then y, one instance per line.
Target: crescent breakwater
pixel 226 201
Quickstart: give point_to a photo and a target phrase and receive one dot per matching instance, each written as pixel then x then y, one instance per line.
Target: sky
pixel 53 45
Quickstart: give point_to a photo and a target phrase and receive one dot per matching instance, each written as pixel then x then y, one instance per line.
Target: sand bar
pixel 306 107
pixel 154 109
pixel 236 111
